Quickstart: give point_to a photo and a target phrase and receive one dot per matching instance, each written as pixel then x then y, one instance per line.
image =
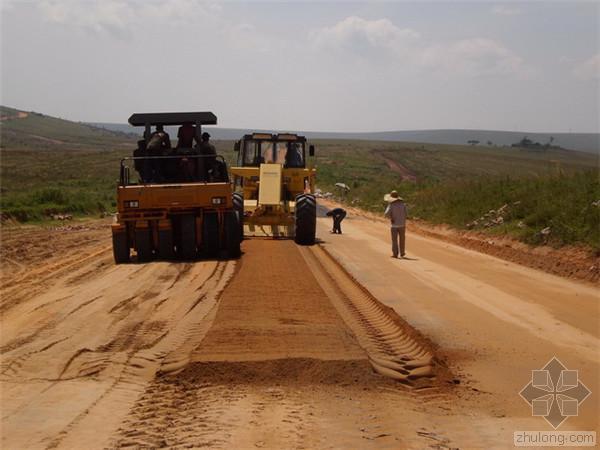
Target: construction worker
pixel 186 167
pixel 207 164
pixel 338 215
pixel 159 141
pixel 293 157
pixel 158 144
pixel 396 211
pixel 186 135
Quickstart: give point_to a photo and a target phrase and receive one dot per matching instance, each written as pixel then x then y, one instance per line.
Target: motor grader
pixel 274 186
pixel 180 205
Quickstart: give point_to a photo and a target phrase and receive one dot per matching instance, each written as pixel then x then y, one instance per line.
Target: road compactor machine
pixel 179 203
pixel 274 186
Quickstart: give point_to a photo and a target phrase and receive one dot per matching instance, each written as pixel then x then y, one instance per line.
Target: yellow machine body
pixel 180 204
pixel 269 189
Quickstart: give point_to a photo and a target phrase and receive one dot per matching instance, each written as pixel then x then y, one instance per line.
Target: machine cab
pixel 287 149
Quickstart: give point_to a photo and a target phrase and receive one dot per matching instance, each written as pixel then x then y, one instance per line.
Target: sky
pixel 313 66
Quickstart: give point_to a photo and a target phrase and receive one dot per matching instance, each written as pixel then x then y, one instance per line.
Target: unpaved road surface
pixel 281 349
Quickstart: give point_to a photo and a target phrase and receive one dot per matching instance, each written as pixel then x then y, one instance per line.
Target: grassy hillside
pixel 51 165
pixel 74 169
pixel 30 130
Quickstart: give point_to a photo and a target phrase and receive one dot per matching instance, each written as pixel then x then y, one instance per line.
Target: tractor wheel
pixel 143 244
pixel 166 250
pixel 210 235
pixel 238 207
pixel 232 234
pixel 187 227
pixel 120 247
pixel 306 219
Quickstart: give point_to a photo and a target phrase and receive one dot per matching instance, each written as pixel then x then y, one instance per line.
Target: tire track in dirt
pixel 275 336
pixel 149 344
pixel 35 281
pixel 395 350
pixel 76 321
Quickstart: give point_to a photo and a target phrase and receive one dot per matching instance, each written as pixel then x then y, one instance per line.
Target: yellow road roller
pixel 174 202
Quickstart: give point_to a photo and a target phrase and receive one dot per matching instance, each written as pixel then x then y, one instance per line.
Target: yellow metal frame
pixel 270 207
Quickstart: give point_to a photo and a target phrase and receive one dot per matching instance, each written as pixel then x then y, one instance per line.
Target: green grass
pixel 563 203
pixel 74 169
pixel 38 183
pixel 458 184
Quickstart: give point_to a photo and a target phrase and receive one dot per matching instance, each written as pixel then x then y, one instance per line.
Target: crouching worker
pixel 338 215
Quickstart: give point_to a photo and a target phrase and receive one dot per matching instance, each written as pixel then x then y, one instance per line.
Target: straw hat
pixel 392 197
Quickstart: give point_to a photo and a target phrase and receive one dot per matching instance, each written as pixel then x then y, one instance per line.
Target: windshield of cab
pixel 288 154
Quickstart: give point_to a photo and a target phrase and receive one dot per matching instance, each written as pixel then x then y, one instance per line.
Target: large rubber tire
pixel 187 241
pixel 210 235
pixel 306 219
pixel 232 235
pixel 238 207
pixel 120 247
pixel 143 244
pixel 166 249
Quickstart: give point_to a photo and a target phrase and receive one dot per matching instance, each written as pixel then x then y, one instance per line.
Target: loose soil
pixel 265 352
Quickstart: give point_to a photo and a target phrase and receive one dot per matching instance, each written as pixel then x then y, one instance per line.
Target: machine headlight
pixel 132 204
pixel 218 200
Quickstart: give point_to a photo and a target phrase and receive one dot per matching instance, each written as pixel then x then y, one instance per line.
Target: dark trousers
pixel 398 240
pixel 337 222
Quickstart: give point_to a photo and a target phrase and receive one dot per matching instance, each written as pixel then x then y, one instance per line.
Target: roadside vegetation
pixel 50 166
pixel 550 197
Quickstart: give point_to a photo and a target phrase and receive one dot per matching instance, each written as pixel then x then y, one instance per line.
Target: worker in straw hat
pixel 396 212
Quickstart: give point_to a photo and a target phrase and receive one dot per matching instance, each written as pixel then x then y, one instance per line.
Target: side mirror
pixel 311 150
pixel 236 146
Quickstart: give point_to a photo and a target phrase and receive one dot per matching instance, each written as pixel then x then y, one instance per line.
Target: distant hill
pixel 587 142
pixel 28 129
pixel 22 128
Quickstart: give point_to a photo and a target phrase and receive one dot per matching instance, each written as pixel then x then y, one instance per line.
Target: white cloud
pixel 117 17
pixel 588 69
pixel 7 5
pixel 363 36
pixel 474 57
pixel 245 36
pixel 382 39
pixel 110 16
pixel 505 10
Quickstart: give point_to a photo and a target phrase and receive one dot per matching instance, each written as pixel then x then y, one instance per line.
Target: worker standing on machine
pixel 207 166
pixel 186 135
pixel 159 144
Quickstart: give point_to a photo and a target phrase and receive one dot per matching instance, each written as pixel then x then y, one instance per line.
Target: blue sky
pixel 338 66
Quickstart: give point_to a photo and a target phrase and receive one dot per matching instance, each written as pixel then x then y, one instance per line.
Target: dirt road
pixel 494 321
pixel 280 349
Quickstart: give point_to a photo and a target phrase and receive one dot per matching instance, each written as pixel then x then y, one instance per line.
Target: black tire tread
pixel 210 235
pixel 120 248
pixel 143 244
pixel 306 219
pixel 238 207
pixel 232 235
pixel 188 237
